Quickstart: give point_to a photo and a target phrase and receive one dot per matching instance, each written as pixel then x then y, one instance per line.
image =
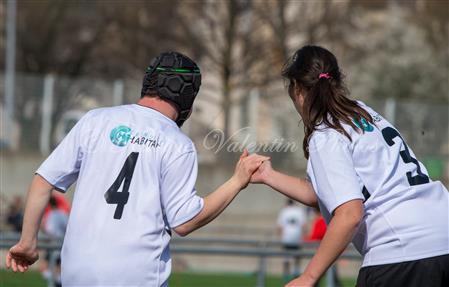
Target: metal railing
pixel 228 247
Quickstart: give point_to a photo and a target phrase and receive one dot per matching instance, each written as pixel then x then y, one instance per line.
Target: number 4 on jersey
pixel 113 196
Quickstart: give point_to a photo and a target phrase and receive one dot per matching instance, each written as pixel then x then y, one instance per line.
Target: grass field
pixel 33 279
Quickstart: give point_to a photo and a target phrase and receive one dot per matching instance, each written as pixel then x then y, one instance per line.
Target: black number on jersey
pixel 113 196
pixel 389 134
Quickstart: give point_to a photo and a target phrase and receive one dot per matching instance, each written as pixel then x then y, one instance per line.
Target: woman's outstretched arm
pixel 298 189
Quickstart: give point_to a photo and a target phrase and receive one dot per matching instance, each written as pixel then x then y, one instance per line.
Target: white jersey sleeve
pixel 61 168
pixel 178 195
pixel 333 169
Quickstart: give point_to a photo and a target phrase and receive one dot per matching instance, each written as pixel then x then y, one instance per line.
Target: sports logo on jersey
pixel 376 117
pixel 120 135
pixel 364 125
pixel 145 140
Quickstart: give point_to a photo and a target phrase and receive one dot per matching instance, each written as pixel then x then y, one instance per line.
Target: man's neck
pixel 164 107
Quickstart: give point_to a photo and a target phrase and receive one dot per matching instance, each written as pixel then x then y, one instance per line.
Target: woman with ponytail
pixel 367 182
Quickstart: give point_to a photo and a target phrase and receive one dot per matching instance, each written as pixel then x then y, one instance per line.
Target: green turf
pixel 219 280
pixel 235 280
pixel 34 279
pixel 27 279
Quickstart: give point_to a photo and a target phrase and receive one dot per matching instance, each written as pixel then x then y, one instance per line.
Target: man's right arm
pixel 216 202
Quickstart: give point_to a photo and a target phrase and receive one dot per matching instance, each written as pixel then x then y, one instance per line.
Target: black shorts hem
pixel 429 272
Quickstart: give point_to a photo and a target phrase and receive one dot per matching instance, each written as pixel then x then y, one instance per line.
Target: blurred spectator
pixel 318 227
pixel 62 204
pixel 290 224
pixel 57 220
pixel 14 216
pixel 55 226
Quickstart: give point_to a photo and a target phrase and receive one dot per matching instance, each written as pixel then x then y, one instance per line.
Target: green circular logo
pixel 120 135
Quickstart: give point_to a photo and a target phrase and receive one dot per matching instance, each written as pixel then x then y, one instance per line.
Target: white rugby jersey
pixel 136 176
pixel 406 213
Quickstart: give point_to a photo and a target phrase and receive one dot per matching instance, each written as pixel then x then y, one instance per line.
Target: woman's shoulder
pixel 324 130
pixel 375 115
pixel 325 137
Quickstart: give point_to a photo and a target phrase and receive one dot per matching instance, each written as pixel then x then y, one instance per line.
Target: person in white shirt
pixel 369 185
pixel 290 224
pixel 56 223
pixel 136 173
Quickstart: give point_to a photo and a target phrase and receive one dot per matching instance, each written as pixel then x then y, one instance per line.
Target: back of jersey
pixel 136 176
pixel 406 213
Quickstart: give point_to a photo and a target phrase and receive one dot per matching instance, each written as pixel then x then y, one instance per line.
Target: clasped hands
pixel 252 168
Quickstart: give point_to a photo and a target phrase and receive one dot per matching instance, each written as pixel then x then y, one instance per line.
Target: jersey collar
pixel 157 113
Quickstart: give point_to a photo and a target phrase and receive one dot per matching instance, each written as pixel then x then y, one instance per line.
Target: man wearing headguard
pixel 136 174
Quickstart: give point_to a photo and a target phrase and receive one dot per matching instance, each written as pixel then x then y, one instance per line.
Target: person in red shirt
pixel 58 203
pixel 318 228
pixel 61 204
pixel 317 231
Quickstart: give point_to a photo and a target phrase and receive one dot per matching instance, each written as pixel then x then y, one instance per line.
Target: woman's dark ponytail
pixel 315 70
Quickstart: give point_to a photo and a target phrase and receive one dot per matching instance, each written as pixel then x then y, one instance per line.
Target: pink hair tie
pixel 324 75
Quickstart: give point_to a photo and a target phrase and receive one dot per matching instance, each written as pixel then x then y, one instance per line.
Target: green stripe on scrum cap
pixel 176 70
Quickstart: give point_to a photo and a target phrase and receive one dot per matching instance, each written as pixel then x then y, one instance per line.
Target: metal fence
pixel 260 249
